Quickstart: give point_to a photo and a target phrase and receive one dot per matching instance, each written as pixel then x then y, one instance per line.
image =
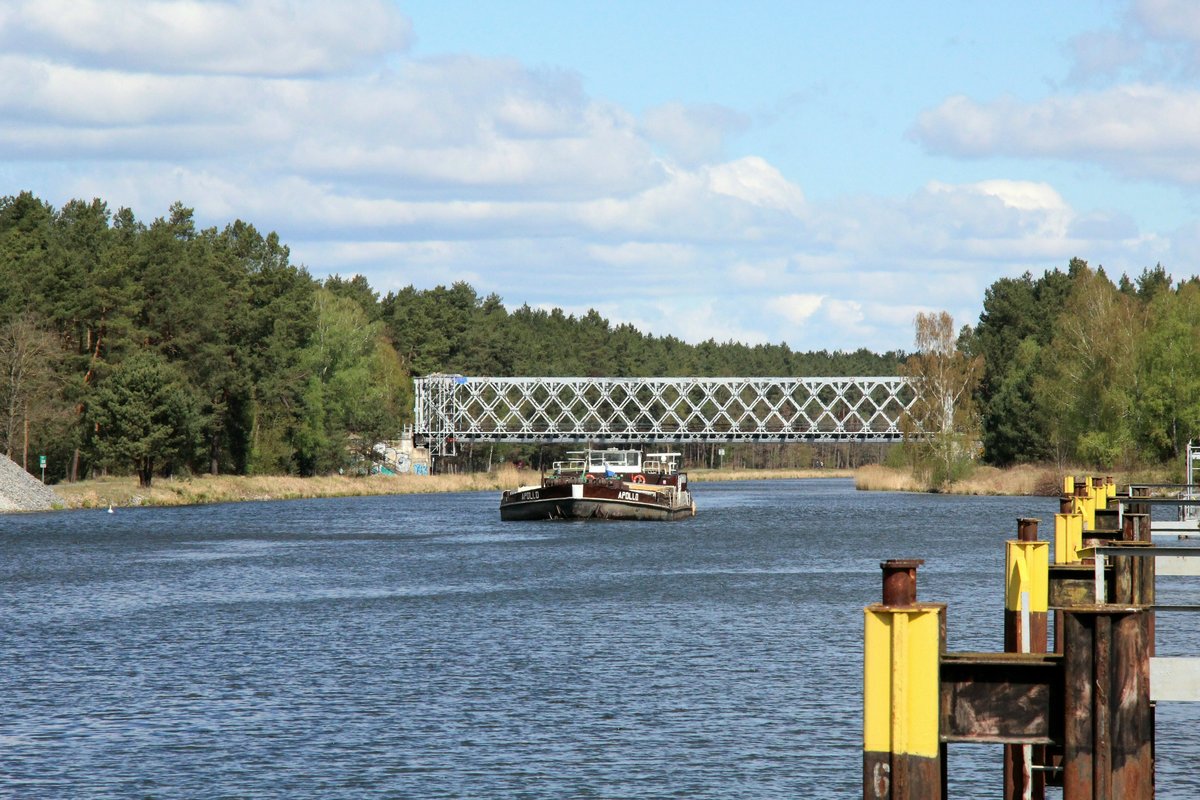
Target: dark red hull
pixel 596 499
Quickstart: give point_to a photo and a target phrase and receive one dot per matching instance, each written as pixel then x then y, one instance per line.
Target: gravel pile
pixel 20 491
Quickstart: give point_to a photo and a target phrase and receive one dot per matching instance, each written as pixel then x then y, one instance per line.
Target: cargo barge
pixel 605 484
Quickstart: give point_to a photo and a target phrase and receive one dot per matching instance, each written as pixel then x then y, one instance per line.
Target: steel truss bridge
pixel 455 409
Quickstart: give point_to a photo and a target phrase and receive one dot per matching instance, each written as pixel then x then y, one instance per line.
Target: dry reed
pixel 1036 480
pixel 1043 480
pixel 104 492
pixel 878 478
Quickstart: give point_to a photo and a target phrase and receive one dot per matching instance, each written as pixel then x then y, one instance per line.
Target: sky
pixel 764 171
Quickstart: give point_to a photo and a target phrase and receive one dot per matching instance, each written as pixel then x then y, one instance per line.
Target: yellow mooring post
pixel 1085 503
pixel 903 758
pixel 1068 538
pixel 1026 607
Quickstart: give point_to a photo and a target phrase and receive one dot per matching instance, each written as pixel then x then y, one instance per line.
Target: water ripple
pixel 417 647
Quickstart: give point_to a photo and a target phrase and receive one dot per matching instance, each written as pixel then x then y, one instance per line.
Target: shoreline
pixel 124 492
pixel 1023 480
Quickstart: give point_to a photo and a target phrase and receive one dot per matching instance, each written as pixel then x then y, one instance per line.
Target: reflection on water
pixel 415 646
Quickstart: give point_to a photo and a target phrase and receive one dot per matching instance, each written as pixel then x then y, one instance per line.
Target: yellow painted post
pixel 1069 485
pixel 1026 612
pixel 1068 537
pixel 902 645
pixel 1110 490
pixel 1060 538
pixel 1027 567
pixel 1075 533
pixel 1085 503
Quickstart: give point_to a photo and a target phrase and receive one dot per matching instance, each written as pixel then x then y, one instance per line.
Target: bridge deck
pixel 454 408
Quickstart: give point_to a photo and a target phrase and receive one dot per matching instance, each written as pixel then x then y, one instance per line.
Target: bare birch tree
pixel 941 424
pixel 27 354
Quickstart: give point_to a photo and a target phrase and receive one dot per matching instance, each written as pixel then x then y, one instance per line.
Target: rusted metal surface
pixel 1027 529
pixel 1138 508
pixel 1013 635
pixel 1024 777
pixel 1010 698
pixel 900 581
pixel 1072 585
pixel 1108 728
pixel 1130 571
pixel 1135 527
pixel 1108 523
pixel 895 776
pixel 1139 529
pixel 1129 582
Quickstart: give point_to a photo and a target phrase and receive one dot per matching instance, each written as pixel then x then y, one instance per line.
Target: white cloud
pixel 255 37
pixel 845 311
pixel 1177 20
pixel 426 171
pixel 645 255
pixel 1023 195
pixel 759 274
pixel 1139 130
pixel 692 135
pixel 1101 56
pixel 796 308
pixel 756 182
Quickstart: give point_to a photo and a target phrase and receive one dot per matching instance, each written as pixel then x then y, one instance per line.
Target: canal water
pixel 417 647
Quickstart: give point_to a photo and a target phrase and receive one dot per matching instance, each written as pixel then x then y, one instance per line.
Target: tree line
pixel 163 348
pixel 1079 368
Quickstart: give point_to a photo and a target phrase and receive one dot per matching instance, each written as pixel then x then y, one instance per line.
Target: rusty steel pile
pixel 1079 714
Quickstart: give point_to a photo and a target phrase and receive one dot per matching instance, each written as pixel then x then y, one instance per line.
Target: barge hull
pixel 583 508
pixel 593 501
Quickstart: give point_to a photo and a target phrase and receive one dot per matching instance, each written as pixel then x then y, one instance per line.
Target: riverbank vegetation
pixel 1023 479
pixel 126 491
pixel 1077 368
pixel 1068 368
pixel 161 349
pixel 200 489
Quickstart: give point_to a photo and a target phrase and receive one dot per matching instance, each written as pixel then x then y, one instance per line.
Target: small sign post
pixel 42 459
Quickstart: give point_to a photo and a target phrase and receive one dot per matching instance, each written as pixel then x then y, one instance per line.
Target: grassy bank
pixel 124 492
pixel 1026 479
pixel 102 492
pixel 1045 480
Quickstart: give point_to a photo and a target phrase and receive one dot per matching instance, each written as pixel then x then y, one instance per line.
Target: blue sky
pixel 764 171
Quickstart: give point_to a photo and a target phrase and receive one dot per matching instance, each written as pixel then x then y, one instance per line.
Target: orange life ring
pixel 639 478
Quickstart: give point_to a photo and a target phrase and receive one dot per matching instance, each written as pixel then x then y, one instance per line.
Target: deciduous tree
pixel 941 424
pixel 29 387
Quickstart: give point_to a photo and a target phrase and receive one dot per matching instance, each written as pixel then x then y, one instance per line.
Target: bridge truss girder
pixel 452 408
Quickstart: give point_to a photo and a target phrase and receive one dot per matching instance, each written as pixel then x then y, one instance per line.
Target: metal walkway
pixel 451 409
